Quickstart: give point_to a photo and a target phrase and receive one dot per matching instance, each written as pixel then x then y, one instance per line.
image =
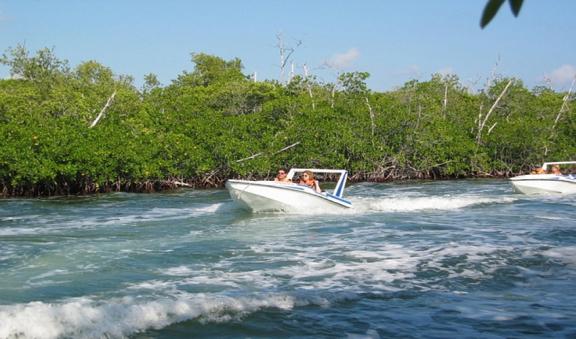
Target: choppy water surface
pixel 427 259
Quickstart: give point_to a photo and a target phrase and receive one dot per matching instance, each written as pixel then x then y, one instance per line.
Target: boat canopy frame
pixel 545 165
pixel 338 190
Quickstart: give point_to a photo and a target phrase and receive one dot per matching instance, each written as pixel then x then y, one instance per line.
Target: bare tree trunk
pixel 250 157
pixel 103 110
pixel 563 109
pixel 261 153
pixel 372 125
pixel 418 120
pixel 564 106
pixel 477 121
pixel 491 128
pixel 309 87
pixel 311 97
pixel 287 147
pixel 445 101
pixel 333 93
pixel 481 125
pixel 282 58
pixel 285 53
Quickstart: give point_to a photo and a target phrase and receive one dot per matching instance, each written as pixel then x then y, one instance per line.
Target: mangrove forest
pixel 85 129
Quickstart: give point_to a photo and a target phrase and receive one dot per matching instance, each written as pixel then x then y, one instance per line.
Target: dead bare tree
pixel 261 153
pixel 562 110
pixel 445 101
pixel 287 148
pixel 491 128
pixel 250 157
pixel 372 124
pixel 419 118
pixel 332 96
pixel 309 86
pixel 103 110
pixel 564 106
pixel 285 53
pixel 482 123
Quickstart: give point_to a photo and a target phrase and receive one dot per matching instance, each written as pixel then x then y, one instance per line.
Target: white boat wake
pixel 411 204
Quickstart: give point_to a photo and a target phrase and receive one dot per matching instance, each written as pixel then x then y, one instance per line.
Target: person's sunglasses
pixel 281 173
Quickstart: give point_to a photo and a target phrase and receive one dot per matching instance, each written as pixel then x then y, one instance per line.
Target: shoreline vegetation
pixel 83 130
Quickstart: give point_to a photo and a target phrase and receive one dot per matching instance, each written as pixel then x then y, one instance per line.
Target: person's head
pixel 555 169
pixel 281 173
pixel 307 175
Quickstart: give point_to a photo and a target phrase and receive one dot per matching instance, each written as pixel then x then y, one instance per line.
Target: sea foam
pixel 410 204
pixel 88 318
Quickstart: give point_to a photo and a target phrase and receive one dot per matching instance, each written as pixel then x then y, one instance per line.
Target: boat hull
pixel 267 196
pixel 544 184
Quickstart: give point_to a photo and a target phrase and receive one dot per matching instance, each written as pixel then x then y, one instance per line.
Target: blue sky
pixel 394 41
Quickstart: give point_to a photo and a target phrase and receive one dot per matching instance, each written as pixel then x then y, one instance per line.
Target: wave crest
pixel 87 318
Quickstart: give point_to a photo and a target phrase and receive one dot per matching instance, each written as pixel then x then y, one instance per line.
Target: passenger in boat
pixel 281 177
pixel 538 170
pixel 556 170
pixel 307 179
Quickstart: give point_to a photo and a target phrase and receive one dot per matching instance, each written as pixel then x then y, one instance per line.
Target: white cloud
pixel 561 76
pixel 343 60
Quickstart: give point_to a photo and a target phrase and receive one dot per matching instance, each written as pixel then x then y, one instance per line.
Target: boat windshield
pixel 560 167
pixel 339 176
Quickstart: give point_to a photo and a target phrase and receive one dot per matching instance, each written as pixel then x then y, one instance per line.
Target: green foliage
pixel 211 69
pixel 354 82
pixel 214 123
pixel 41 67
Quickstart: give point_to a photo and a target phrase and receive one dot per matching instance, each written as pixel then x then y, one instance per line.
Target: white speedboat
pixel 546 183
pixel 269 196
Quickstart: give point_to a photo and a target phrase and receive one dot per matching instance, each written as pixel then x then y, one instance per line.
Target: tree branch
pixel 479 136
pixel 250 157
pixel 564 106
pixel 287 147
pixel 372 125
pixel 261 153
pixel 103 110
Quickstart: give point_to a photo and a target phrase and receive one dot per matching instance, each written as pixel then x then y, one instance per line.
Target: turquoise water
pixel 426 259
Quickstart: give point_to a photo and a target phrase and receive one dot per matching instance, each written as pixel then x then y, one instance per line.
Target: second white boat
pixel 546 183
